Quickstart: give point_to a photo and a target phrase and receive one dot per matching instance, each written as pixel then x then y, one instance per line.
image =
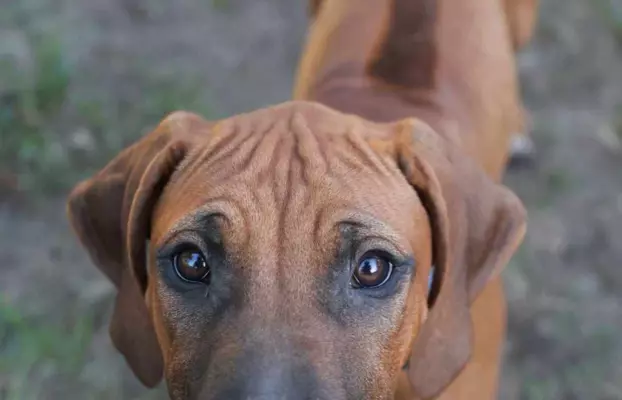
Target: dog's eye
pixel 372 271
pixel 190 265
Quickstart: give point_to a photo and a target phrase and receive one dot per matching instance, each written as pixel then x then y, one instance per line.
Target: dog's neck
pixel 450 63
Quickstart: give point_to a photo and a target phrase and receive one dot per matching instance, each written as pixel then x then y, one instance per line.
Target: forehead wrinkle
pixel 271 148
pixel 308 148
pixel 223 136
pixel 347 160
pixel 282 169
pixel 239 129
pixel 247 160
pixel 370 159
pixel 227 208
pixel 251 146
pixel 279 175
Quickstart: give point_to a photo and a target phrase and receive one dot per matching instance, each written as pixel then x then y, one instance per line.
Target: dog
pixel 346 244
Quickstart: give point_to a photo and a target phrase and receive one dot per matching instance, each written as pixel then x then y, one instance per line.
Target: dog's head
pixel 287 253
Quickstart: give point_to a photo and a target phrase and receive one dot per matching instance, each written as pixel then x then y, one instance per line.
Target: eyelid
pixel 398 255
pixel 180 240
pixel 207 226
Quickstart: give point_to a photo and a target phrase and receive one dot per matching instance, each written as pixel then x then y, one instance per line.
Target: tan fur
pixel 403 158
pixel 359 59
pixel 522 17
pixel 473 95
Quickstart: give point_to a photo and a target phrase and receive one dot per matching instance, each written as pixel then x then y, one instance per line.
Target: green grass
pixel 539 388
pixel 611 13
pixel 39 115
pixel 44 358
pixel 36 96
pixel 617 123
pixel 558 181
pixel 221 5
pixel 587 364
pixel 29 109
pixel 32 351
pixel 46 100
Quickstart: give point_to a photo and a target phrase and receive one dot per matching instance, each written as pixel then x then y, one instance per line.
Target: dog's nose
pixel 278 381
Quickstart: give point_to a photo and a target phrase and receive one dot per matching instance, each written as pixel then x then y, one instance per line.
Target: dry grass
pixel 81 79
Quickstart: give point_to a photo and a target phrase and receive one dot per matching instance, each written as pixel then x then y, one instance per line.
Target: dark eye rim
pixel 175 257
pixel 383 255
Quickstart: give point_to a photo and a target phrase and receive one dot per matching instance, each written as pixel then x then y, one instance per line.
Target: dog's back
pixel 450 63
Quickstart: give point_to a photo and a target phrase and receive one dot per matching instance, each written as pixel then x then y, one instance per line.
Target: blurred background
pixel 80 79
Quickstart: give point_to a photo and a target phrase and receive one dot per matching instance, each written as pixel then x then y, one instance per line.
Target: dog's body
pixel 291 247
pixel 450 63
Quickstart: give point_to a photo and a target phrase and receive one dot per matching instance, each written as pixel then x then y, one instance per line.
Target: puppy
pixel 345 250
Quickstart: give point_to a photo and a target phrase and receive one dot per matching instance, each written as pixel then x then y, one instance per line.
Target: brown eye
pixel 372 271
pixel 190 265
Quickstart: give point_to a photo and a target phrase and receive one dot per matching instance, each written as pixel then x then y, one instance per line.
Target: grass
pixel 558 181
pixel 222 5
pixel 40 117
pixel 581 365
pixel 32 351
pixel 58 125
pixel 611 13
pixel 558 354
pixel 617 123
pixel 36 95
pixel 42 359
pixel 52 134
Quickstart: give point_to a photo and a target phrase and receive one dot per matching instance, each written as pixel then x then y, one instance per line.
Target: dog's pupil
pixel 194 263
pixel 372 271
pixel 193 260
pixel 370 267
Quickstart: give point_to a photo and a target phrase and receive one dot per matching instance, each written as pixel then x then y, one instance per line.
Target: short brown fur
pixel 403 158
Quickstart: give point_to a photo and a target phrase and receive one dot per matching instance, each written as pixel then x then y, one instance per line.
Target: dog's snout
pixel 271 381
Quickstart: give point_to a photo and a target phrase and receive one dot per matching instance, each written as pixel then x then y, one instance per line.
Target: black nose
pixel 275 381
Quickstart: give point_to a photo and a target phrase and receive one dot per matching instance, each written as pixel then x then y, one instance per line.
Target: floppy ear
pixel 477 225
pixel 111 214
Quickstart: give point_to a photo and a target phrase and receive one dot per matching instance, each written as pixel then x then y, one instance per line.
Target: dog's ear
pixel 476 224
pixel 111 215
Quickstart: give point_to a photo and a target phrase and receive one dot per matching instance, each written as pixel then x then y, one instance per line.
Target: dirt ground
pixel 80 79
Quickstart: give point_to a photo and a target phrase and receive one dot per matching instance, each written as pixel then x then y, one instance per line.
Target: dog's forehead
pixel 318 118
pixel 292 164
pixel 298 121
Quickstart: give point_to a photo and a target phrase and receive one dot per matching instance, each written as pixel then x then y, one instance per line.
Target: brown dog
pixel 287 253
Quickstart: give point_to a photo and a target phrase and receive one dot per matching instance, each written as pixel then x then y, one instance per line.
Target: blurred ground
pixel 80 79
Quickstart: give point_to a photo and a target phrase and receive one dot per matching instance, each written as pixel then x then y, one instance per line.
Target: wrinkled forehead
pixel 293 167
